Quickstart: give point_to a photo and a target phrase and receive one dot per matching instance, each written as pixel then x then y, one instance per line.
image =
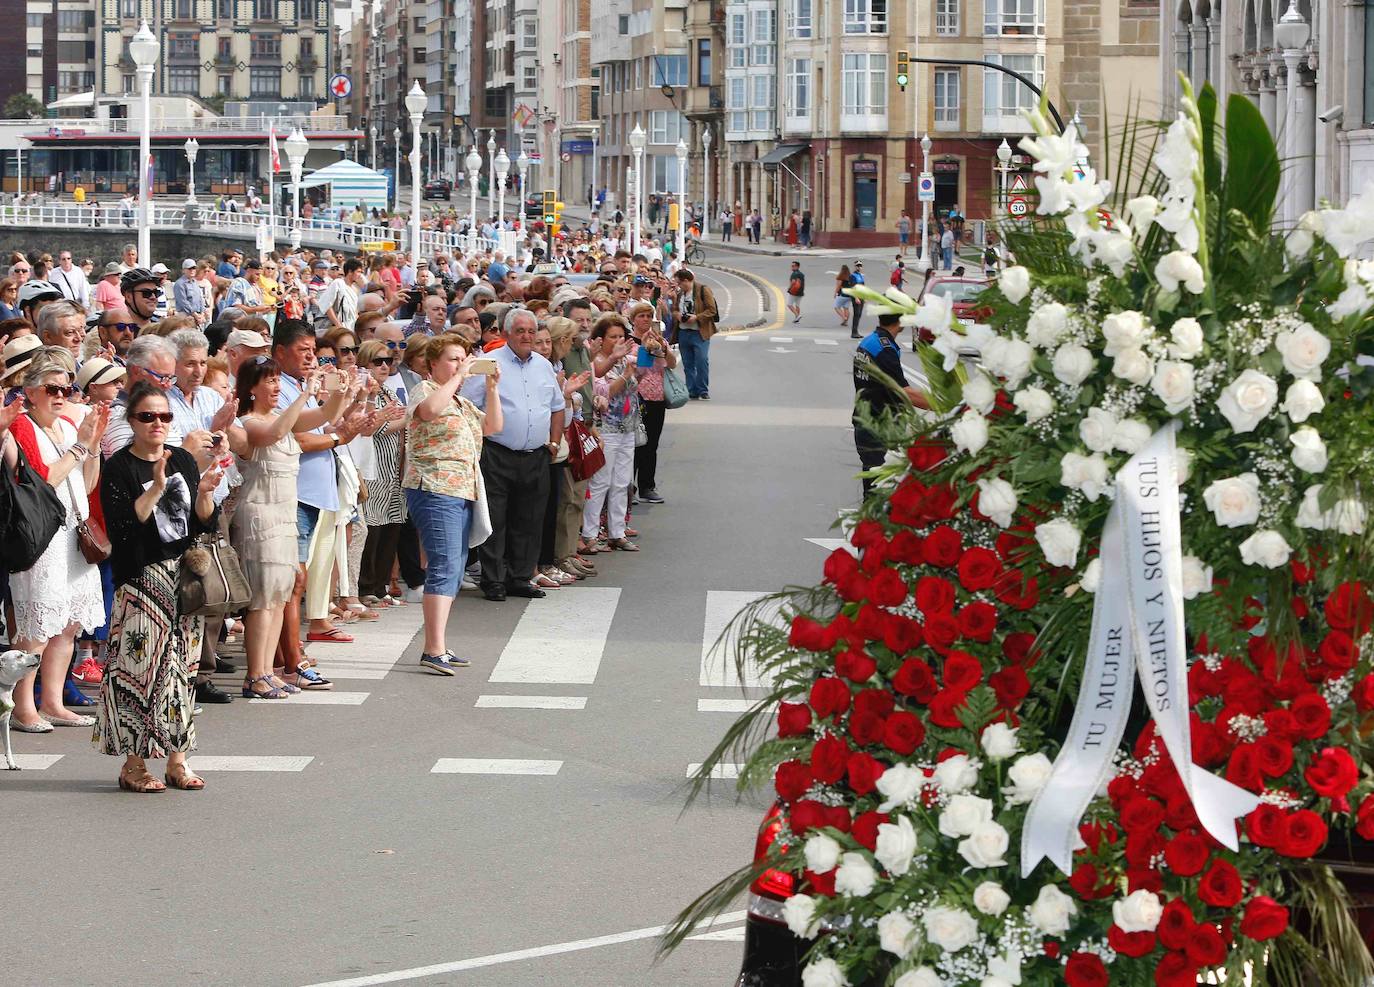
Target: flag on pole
pixel 272 148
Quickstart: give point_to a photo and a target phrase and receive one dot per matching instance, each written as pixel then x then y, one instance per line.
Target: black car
pixel 534 206
pixel 438 188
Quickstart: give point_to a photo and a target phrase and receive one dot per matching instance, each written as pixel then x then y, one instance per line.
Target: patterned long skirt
pixel 147 696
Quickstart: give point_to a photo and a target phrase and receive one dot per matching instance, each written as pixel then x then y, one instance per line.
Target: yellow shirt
pixel 79 195
pixel 270 290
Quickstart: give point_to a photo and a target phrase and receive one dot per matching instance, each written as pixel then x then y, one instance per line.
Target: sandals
pixel 333 635
pixel 186 780
pixel 272 691
pixel 623 545
pixel 141 783
pixel 309 679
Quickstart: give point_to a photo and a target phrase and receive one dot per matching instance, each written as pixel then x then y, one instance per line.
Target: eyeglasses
pixel 383 361
pixel 160 378
pixel 148 417
pixel 148 293
pixel 348 350
pixel 393 345
pixel 120 326
pixel 59 390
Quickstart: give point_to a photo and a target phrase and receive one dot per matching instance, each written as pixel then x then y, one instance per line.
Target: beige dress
pixel 264 528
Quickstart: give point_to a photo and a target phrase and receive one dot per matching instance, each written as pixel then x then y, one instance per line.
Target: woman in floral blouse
pixel 443 450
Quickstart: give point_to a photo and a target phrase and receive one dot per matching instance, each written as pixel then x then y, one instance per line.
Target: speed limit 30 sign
pixel 1018 208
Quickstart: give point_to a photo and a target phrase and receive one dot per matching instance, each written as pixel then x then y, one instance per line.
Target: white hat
pixel 247 337
pixel 98 370
pixel 161 269
pixel 187 263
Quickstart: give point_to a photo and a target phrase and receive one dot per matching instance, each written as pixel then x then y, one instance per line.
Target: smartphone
pixel 333 380
pixel 484 365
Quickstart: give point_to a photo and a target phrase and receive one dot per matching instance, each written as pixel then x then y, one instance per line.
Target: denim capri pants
pixel 444 524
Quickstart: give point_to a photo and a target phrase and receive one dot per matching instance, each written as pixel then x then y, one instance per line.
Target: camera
pixel 1334 115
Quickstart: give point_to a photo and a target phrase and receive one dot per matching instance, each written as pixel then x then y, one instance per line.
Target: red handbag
pixel 585 455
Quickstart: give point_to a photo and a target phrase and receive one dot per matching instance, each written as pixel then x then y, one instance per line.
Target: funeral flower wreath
pixel 1085 698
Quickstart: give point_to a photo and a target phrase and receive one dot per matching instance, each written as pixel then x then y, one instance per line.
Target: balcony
pixel 307 63
pixel 704 101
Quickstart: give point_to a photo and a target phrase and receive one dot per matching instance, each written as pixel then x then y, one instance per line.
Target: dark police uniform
pixel 877 350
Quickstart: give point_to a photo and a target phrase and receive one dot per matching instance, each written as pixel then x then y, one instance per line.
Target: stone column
pixel 1214 63
pixel 1304 178
pixel 1267 97
pixel 1198 38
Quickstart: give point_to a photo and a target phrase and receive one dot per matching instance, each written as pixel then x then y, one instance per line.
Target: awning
pixel 780 154
pixel 73 101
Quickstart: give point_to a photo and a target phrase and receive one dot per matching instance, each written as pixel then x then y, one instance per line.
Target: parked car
pixel 963 292
pixel 438 188
pixel 534 205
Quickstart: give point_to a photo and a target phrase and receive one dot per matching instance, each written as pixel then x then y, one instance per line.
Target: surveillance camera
pixel 1334 115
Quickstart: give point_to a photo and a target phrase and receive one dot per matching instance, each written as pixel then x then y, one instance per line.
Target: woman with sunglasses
pixel 384 510
pixel 156 502
pixel 60 595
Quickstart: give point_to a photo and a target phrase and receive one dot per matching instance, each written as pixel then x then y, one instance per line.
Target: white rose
pixel 1197 577
pixel 1027 776
pixel 1006 968
pixel 1131 435
pixel 1309 511
pixel 970 432
pixel 963 815
pixel 1053 911
pixel 1139 911
pixel 1133 366
pixel 1234 501
pixel 1299 244
pixel 997 500
pixel 1009 358
pixel 899 784
pixel 986 846
pixel 799 912
pixel 1173 384
pixel 1183 465
pixel 1073 364
pixel 956 774
pixel 1304 350
pixel 896 846
pixel 999 741
pixel 990 898
pixel 1309 451
pixel 855 876
pixel 1186 336
pixel 922 976
pixel 824 972
pixel 1265 548
pixel 1303 400
pixel 1059 540
pixel 1088 474
pixel 822 854
pixel 1124 331
pixel 1180 269
pixel 1347 517
pixel 1034 403
pixel 1091 579
pixel 1097 428
pixel 950 928
pixel 898 934
pixel 1047 325
pixel 1015 284
pixel 1248 400
pixel 992 980
pixel 979 393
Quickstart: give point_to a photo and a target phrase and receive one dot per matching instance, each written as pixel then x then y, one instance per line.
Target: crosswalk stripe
pixel 266 762
pixel 721 935
pixel 719 771
pixel 780 339
pixel 559 639
pixel 718 666
pixel 531 702
pixel 826 342
pixel 736 337
pixel 315 698
pixel 37 762
pixel 493 766
pixel 725 705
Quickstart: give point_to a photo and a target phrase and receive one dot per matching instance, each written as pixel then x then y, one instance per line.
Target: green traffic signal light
pixel 903 69
pixel 902 79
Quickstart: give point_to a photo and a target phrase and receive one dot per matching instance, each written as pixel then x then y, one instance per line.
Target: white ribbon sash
pixel 1137 612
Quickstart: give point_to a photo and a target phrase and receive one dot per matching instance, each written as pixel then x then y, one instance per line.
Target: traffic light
pixel 550 207
pixel 903 69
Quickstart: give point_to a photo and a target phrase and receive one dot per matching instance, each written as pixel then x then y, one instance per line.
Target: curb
pixel 767 293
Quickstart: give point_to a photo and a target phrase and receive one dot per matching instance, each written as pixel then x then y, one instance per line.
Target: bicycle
pixel 694 254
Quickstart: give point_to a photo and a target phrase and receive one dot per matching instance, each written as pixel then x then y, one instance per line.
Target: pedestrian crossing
pixel 777 341
pixel 561 640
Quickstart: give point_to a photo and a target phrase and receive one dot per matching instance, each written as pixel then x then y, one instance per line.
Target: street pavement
pixel 520 824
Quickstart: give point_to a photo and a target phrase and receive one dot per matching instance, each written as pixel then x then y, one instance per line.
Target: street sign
pixel 904 178
pixel 925 187
pixel 1017 207
pixel 567 156
pixel 341 86
pixel 1018 183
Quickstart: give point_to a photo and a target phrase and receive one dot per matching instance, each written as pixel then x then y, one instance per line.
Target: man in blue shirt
pixel 857 309
pixel 186 293
pixel 515 460
pixel 879 352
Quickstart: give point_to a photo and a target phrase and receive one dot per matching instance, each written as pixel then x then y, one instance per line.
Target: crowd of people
pixel 352 426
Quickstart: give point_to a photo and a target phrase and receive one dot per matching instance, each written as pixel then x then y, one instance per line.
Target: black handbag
pixel 30 515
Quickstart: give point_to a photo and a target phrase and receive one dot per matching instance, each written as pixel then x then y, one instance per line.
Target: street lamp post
pixel 1290 36
pixel 372 159
pixel 522 166
pixel 296 149
pixel 1003 166
pixel 491 173
pixel 681 197
pixel 192 152
pixel 706 181
pixel 474 165
pixel 143 49
pixel 637 142
pixel 925 264
pixel 502 164
pixel 416 101
pixel 396 198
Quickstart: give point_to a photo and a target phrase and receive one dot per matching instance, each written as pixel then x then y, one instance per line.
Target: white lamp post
pixel 706 181
pixel 396 199
pixel 192 152
pixel 925 264
pixel 372 159
pixel 296 149
pixel 491 173
pixel 502 170
pixel 416 101
pixel 474 166
pixel 522 166
pixel 1290 35
pixel 144 49
pixel 637 142
pixel 681 197
pixel 1003 166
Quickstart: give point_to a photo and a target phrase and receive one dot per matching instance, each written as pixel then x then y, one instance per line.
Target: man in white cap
pixel 186 293
pixel 242 346
pixel 161 271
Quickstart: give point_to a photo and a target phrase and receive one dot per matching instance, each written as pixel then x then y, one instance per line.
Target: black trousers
pixel 870 457
pixel 855 316
pixel 379 554
pixel 646 456
pixel 408 554
pixel 548 536
pixel 517 485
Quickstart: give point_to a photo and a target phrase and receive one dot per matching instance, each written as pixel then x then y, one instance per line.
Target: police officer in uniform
pixel 879 351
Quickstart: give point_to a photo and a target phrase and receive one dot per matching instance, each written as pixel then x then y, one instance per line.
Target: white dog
pixel 14 665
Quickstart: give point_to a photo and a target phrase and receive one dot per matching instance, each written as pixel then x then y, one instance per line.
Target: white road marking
pixel 515 956
pixel 780 339
pixel 737 337
pixel 377 647
pixel 310 697
pixel 493 766
pixel 718 667
pixel 830 544
pixel 779 349
pixel 721 287
pixel 213 762
pixel 722 935
pixel 826 342
pixel 35 762
pixel 725 705
pixel 560 639
pixel 722 771
pixel 531 702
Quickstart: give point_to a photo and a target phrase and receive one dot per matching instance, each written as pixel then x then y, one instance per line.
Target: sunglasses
pixel 148 417
pixel 348 350
pixel 59 390
pixel 120 326
pixel 393 345
pixel 148 293
pixel 327 361
pixel 23 270
pixel 384 361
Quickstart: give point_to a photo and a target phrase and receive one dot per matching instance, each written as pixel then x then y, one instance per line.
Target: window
pixel 663 172
pixel 306 86
pixel 185 10
pixel 529 33
pixel 36 50
pixel 947 99
pixel 224 84
pixel 307 48
pixel 494 102
pixel 263 10
pixel 182 45
pixel 667 127
pixel 127 84
pixel 765 37
pixel 34 20
pixel 670 70
pixel 736 104
pixel 639 74
pixel 183 80
pixel 866 16
pixel 703 61
pixel 799 87
pixel 946 16
pixel 128 8
pixel 1013 17
pixel 530 77
pixel 622 24
pixel 266 45
pixel 1004 95
pixel 799 19
pixel 864 84
pixel 226 8
pixel 74 20
pixel 761 105
pixel 224 49
pixel 75 51
pixel 264 80
pixel 418 56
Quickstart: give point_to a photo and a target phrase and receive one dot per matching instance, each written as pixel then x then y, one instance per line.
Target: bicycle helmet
pixel 133 278
pixel 35 291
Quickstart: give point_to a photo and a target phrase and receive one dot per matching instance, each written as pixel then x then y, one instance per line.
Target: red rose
pixel 865 728
pixel 793 719
pixel 925 454
pixel 1364 818
pixel 1132 944
pixel 1086 970
pixel 1275 756
pixel 1265 825
pixel 943 546
pixel 867 533
pixel 1205 946
pixel 887 588
pixel 1176 924
pixel 1175 970
pixel 865 829
pixel 1011 686
pixel 1017 648
pixel 791 780
pixel 1280 723
pixel 855 665
pixel 903 732
pixel 806 634
pixel 934 595
pixel 1243 768
pixel 1264 919
pixel 828 759
pixel 1186 854
pixel 1349 607
pixel 1144 879
pixel 1304 832
pixel 1338 651
pixel 942 630
pixel 808 814
pixel 938 502
pixel 1141 815
pixel 979 569
pixel 876 702
pixel 821 884
pixel 1221 885
pixel 1051 949
pixel 906 546
pixel 1016 590
pixel 1312 715
pixel 977 621
pixel 1087 882
pixel 944 706
pixel 871 623
pixel 902 634
pixel 863 770
pixel 853 588
pixel 1332 773
pixel 1364 694
pixel 915 679
pixel 962 671
pixel 839 566
pixel 829 697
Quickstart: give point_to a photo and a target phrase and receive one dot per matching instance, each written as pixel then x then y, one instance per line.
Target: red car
pixel 962 292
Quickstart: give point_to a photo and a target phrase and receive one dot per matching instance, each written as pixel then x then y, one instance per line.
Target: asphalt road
pixel 357 863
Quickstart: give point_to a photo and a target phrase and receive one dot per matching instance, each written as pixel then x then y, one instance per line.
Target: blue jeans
pixel 444 524
pixel 948 257
pixel 307 520
pixel 696 360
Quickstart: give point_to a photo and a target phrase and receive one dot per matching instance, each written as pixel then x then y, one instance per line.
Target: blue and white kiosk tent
pixel 349 183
